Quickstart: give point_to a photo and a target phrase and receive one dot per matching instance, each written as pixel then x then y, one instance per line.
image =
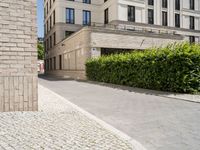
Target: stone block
pixel 18 74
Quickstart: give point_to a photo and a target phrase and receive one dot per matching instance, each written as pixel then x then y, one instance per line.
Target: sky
pixel 40 17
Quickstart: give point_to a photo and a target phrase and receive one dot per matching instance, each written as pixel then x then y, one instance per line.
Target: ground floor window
pixel 54 60
pixel 110 51
pixel 60 62
pixel 192 39
pixel 47 66
pixel 68 33
pixel 50 63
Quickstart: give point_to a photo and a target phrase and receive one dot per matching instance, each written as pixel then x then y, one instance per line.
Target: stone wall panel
pixel 18 55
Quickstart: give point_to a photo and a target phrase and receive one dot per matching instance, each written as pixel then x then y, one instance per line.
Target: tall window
pixel 60 62
pixel 54 60
pixel 47 8
pixel 51 64
pixel 131 13
pixel 192 4
pixel 177 4
pixel 164 18
pixel 54 38
pixel 47 44
pixel 44 12
pixel 150 16
pixel 177 20
pixel 192 39
pixel 164 3
pixel 70 15
pixel 51 42
pixel 50 22
pixel 47 66
pixel 47 26
pixel 150 2
pixel 86 17
pixel 87 1
pixel 45 32
pixel 106 16
pixel 54 17
pixel 50 4
pixel 192 23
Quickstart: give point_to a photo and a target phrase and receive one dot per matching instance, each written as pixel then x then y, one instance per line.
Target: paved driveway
pixel 156 122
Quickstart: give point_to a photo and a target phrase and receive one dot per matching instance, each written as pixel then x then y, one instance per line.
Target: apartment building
pixel 107 26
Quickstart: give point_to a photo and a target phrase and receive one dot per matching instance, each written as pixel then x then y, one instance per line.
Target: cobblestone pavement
pixel 57 126
pixel 157 122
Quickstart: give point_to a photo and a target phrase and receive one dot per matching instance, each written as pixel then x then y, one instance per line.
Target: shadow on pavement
pixel 114 86
pixel 179 96
pixel 53 78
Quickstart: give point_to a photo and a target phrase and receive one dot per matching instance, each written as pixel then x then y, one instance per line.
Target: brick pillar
pixel 18 55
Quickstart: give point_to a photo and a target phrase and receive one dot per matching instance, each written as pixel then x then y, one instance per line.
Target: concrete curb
pixel 184 97
pixel 176 96
pixel 136 144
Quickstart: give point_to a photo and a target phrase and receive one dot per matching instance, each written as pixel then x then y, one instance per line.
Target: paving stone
pixel 57 126
pixel 155 121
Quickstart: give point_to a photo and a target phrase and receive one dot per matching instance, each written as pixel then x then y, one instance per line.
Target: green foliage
pixel 173 68
pixel 40 48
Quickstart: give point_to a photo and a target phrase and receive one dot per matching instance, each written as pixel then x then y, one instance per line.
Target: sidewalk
pixel 59 125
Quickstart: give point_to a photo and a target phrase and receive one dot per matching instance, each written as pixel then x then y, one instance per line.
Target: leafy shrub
pixel 173 68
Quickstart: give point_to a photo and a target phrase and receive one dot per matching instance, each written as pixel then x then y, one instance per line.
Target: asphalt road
pixel 156 122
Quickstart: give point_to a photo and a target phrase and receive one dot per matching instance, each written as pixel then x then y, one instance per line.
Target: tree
pixel 40 48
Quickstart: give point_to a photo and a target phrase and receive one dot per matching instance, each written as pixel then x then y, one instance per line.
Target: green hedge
pixel 173 68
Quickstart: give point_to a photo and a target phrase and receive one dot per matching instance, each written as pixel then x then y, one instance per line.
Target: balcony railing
pixel 133 28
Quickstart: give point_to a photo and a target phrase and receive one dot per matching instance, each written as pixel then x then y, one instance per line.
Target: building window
pixel 86 17
pixel 47 44
pixel 164 18
pixel 45 49
pixel 164 3
pixel 192 39
pixel 106 16
pixel 51 64
pixel 47 8
pixel 54 17
pixel 177 20
pixel 45 12
pixel 150 16
pixel 131 13
pixel 192 23
pixel 54 60
pixel 68 33
pixel 150 2
pixel 192 4
pixel 47 68
pixel 70 15
pixel 177 4
pixel 45 64
pixel 45 32
pixel 47 26
pixel 54 38
pixel 50 4
pixel 60 62
pixel 51 42
pixel 87 1
pixel 50 22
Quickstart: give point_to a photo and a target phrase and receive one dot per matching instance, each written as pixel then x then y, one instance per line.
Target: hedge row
pixel 174 68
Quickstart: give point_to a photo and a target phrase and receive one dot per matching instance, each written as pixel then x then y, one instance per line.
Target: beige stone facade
pixel 67 59
pixel 114 25
pixel 18 56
